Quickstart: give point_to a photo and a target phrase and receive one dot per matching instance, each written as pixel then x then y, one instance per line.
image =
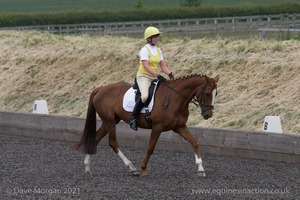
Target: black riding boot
pixel 136 111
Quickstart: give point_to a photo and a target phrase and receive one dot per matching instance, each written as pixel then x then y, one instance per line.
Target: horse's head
pixel 206 96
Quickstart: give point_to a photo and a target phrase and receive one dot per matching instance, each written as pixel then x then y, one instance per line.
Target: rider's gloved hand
pixel 161 78
pixel 171 76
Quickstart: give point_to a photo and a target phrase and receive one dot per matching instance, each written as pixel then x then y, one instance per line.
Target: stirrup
pixel 133 124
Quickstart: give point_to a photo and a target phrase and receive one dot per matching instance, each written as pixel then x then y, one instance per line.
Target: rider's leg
pixel 136 111
pixel 144 83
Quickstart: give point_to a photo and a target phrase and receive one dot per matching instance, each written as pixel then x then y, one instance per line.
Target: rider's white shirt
pixel 144 53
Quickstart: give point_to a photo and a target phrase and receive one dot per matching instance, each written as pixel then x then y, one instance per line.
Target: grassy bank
pixel 257 78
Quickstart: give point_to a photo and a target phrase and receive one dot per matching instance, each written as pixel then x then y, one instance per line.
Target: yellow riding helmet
pixel 150 31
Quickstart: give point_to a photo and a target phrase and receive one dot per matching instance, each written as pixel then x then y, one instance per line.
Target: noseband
pixel 199 99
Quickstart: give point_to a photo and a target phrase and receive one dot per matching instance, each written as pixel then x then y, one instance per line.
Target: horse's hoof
pixel 133 172
pixel 144 173
pixel 201 173
pixel 88 174
pixel 87 170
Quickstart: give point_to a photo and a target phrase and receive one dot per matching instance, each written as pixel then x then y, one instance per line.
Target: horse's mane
pixel 188 76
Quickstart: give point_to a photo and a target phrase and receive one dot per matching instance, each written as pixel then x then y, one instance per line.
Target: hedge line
pixel 86 16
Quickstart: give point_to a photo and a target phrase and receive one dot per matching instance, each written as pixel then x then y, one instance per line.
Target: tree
pixel 138 4
pixel 191 3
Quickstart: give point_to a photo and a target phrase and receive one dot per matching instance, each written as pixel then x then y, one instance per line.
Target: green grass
pixel 113 5
pixel 244 2
pixel 44 12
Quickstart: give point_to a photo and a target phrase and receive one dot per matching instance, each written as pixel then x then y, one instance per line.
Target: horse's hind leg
pixel 132 169
pixel 185 133
pixel 102 131
pixel 114 145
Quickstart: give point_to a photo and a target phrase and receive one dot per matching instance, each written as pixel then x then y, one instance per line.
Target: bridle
pixel 201 105
pixel 198 101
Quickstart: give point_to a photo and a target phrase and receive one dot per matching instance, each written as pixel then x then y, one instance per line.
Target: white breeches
pixel 144 82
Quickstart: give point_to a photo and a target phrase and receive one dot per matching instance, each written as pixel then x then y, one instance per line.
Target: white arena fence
pixel 246 26
pixel 250 144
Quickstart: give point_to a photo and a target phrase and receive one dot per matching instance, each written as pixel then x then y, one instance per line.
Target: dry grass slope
pixel 257 78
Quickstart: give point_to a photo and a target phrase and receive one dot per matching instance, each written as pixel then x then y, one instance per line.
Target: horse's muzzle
pixel 206 117
pixel 206 114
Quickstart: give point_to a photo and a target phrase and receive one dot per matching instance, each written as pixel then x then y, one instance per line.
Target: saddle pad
pixel 129 100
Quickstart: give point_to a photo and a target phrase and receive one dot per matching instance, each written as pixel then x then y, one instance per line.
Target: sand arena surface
pixel 34 168
pixel 257 78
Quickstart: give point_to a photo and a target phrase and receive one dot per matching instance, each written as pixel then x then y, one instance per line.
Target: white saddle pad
pixel 129 100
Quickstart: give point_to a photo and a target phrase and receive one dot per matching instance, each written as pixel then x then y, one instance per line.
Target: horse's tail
pixel 87 142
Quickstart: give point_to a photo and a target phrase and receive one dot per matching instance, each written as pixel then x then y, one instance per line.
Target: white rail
pixel 225 27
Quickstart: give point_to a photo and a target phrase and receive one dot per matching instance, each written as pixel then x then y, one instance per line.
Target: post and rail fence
pixel 224 27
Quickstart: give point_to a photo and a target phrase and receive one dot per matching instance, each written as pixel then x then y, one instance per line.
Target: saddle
pixel 133 94
pixel 152 89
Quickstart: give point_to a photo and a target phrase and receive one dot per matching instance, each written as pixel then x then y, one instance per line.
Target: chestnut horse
pixel 178 93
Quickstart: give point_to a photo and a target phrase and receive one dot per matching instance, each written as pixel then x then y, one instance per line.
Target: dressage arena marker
pixel 40 107
pixel 272 124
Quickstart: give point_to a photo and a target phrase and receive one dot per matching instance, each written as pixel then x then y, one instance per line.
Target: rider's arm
pixel 164 67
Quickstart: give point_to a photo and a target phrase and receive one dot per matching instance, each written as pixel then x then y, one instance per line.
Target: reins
pixel 195 100
pixel 167 96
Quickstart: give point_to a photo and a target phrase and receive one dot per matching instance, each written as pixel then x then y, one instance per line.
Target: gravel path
pixel 34 168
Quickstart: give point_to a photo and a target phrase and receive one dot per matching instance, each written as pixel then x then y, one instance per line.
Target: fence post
pixel 233 23
pixel 262 34
pixel 222 33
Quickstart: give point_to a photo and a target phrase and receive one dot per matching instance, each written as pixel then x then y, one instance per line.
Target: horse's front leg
pixel 186 134
pixel 151 145
pixel 201 171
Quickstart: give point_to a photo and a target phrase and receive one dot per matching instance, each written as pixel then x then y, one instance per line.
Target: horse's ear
pixel 217 78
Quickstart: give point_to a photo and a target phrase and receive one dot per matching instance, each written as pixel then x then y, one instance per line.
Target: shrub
pixel 89 16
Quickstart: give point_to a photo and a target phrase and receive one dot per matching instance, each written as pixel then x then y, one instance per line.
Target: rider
pixel 150 58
